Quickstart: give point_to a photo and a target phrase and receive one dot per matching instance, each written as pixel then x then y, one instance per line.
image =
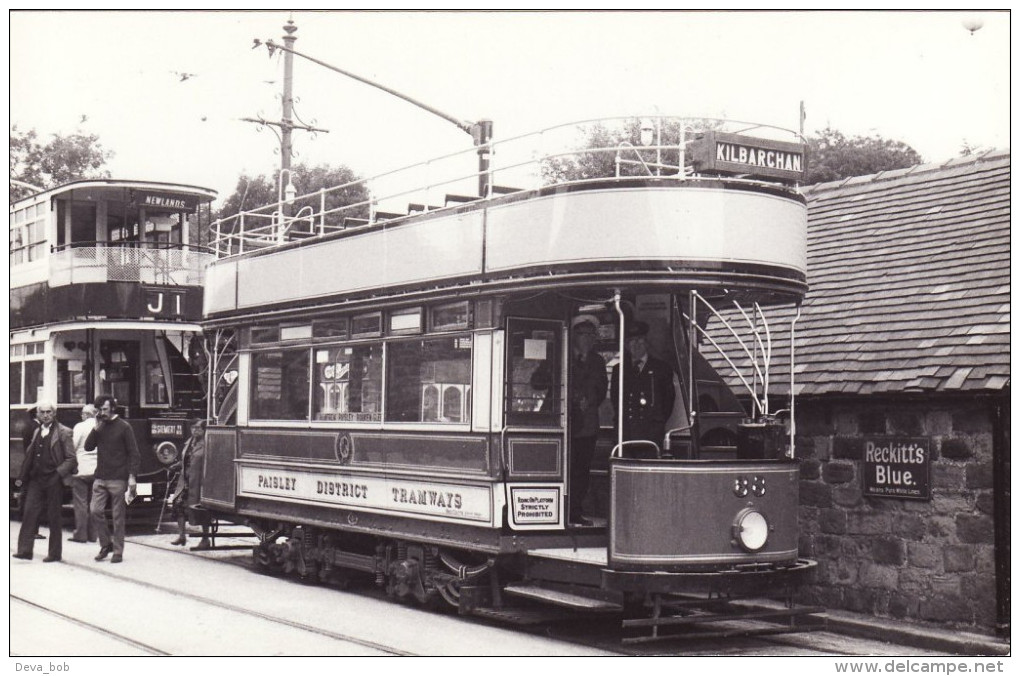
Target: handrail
pixel 528 159
pixel 617 451
pixel 159 246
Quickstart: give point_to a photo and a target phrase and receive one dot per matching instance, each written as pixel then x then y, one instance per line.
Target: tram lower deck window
pixel 279 385
pixel 15 381
pixel 33 381
pixel 429 380
pixel 348 383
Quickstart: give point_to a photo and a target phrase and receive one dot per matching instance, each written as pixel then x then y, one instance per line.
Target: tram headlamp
pixel 750 530
pixel 166 452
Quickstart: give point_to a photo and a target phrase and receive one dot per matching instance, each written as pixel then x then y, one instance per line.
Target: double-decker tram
pixel 106 298
pixel 402 387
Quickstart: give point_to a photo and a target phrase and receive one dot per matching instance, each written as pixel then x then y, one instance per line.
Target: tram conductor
pixel 587 392
pixel 648 393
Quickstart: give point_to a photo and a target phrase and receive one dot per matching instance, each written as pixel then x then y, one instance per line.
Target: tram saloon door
pixel 535 422
pixel 119 371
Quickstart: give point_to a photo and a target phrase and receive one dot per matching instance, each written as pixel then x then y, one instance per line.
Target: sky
pixel 917 77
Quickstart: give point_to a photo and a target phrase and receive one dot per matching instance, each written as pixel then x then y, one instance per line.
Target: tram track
pixel 233 608
pixel 121 638
pixel 605 638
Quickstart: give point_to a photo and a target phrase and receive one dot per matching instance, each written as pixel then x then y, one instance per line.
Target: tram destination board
pixel 897 467
pixel 716 151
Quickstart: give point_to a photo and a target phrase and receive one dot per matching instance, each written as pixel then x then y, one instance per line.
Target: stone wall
pixel 911 559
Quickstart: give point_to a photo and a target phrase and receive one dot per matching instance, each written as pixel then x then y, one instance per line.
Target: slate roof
pixel 909 283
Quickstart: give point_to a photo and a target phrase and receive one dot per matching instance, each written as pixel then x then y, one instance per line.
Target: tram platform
pixel 846 623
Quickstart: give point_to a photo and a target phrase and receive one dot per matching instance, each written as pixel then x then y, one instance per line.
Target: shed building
pixel 903 365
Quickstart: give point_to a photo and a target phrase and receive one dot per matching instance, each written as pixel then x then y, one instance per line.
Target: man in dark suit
pixel 587 392
pixel 27 432
pixel 49 458
pixel 648 393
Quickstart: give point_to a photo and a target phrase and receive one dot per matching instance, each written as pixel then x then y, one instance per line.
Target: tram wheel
pixel 265 560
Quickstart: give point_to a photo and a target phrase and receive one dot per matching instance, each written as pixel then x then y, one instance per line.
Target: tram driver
pixel 648 393
pixel 587 392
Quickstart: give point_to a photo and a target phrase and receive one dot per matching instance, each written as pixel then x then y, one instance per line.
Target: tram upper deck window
pixel 265 334
pixel 348 383
pixel 279 385
pixel 534 372
pixel 429 380
pixel 28 234
pixel 405 322
pixel 367 326
pixel 329 328
pixel 450 317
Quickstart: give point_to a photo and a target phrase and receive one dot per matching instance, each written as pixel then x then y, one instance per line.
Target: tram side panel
pixel 391 476
pixel 485 475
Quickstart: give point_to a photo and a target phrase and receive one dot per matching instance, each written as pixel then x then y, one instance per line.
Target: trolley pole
pixel 481 131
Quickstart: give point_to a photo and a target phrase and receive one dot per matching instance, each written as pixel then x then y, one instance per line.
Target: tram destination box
pixel 167 427
pixel 735 154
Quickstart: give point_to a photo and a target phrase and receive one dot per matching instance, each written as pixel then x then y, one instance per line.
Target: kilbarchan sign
pixel 724 153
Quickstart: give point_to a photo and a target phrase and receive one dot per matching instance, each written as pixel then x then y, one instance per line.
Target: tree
pixel 64 159
pixel 253 192
pixel 833 156
pixel 601 145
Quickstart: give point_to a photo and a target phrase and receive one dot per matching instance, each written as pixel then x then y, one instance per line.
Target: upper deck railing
pixel 588 150
pixel 143 262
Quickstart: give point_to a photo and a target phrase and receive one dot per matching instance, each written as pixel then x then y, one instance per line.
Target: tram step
pixel 561 598
pixel 459 199
pixel 415 208
pixel 387 215
pixel 503 190
pixel 354 222
pixel 521 616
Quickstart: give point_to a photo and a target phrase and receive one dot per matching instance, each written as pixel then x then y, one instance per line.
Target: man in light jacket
pixel 81 481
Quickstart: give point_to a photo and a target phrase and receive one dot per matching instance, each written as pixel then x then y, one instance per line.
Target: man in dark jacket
pixel 648 393
pixel 117 462
pixel 49 457
pixel 587 392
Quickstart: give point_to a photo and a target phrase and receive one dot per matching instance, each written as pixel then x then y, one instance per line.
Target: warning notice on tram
pixel 897 467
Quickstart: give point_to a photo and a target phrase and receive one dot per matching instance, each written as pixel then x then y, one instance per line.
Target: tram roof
pixel 909 282
pixel 92 183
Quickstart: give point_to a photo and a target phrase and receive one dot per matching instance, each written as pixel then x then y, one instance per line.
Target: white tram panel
pixel 410 253
pixel 688 223
pixel 382 494
pixel 728 224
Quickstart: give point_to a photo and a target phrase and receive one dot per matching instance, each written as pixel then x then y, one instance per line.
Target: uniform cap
pixel 585 319
pixel 637 329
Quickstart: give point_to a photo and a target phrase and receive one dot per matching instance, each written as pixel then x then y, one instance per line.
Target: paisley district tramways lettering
pixel 279 483
pixel 422 496
pixel 342 488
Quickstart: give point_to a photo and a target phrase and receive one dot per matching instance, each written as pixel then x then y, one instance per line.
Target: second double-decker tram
pixel 402 388
pixel 106 298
